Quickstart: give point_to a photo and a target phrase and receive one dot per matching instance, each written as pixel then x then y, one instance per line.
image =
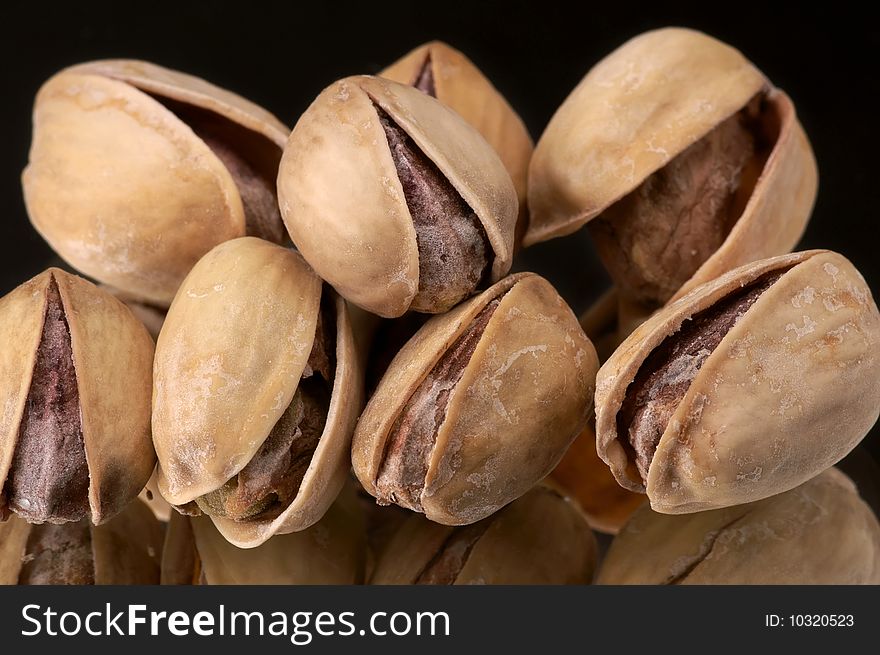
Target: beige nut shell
pixel 13 542
pixel 460 85
pixel 772 406
pixel 818 533
pixel 122 188
pixel 112 356
pixel 194 91
pixel 523 397
pixel 126 550
pixel 343 203
pixel 540 538
pixel 332 551
pixel 640 107
pixel 228 361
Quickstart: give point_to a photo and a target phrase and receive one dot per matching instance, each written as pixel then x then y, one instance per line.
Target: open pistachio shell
pixel 636 114
pixel 818 533
pixel 76 370
pixel 136 171
pixel 447 74
pixel 346 208
pixel 332 551
pixel 125 550
pixel 230 360
pixel 760 411
pixel 479 405
pixel 540 538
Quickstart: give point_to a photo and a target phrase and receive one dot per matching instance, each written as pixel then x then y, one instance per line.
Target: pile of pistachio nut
pixel 303 358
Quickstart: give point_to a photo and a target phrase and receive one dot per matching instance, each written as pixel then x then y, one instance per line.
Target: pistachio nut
pixel 684 160
pixel 479 405
pixel 447 74
pixel 125 550
pixel 136 171
pixel 76 381
pixel 586 478
pixel 743 388
pixel 257 389
pixel 540 538
pixel 332 551
pixel 818 533
pixel 394 199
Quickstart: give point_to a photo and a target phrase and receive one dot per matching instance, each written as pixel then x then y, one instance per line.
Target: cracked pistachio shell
pixel 523 396
pixel 125 550
pixel 818 533
pixel 229 359
pixel 333 551
pixel 343 203
pixel 540 538
pixel 121 187
pixel 461 86
pixel 773 405
pixel 640 107
pixel 112 357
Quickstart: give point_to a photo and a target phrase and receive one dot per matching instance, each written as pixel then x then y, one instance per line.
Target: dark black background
pixel 282 54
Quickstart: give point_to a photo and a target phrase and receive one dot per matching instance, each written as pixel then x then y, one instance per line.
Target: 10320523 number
pixel 821 620
pixel 810 621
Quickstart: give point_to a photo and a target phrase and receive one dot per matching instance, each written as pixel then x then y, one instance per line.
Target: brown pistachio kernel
pixel 49 478
pixel 412 438
pixel 394 199
pixel 59 554
pixel 742 388
pixel 655 238
pixel 75 376
pixel 540 538
pixel 136 171
pixel 272 478
pixel 452 243
pixel 669 370
pixel 479 405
